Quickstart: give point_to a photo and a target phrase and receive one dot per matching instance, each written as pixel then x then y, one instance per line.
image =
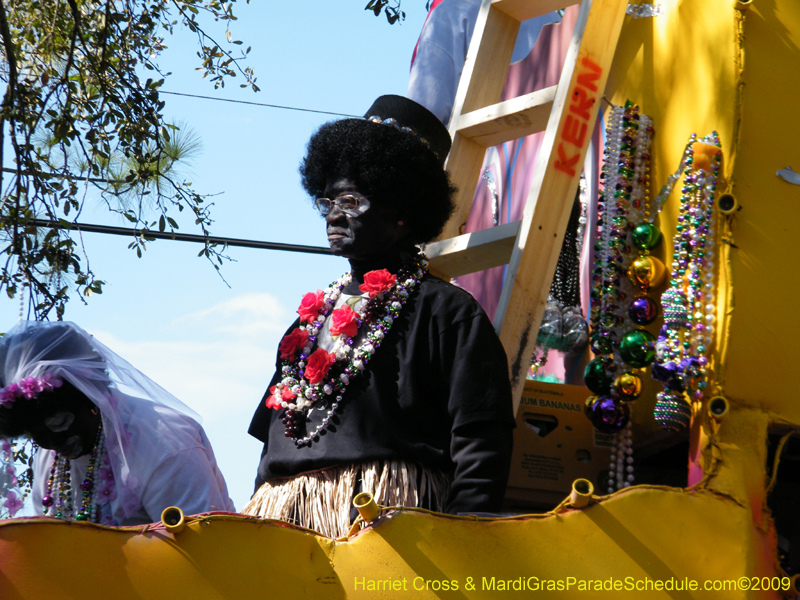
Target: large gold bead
pixel 628 386
pixel 646 272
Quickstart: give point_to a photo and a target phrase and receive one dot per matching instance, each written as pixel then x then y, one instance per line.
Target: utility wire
pixel 321 112
pixel 186 237
pixel 62 175
pixel 179 237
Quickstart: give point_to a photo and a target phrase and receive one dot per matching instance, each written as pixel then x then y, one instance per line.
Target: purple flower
pixel 5 445
pixel 107 492
pixel 30 387
pixel 12 503
pixel 9 394
pixel 50 381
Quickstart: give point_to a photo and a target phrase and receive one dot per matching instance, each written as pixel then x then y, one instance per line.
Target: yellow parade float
pixel 694 66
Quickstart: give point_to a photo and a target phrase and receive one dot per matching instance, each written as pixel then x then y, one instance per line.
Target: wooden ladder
pixel 567 114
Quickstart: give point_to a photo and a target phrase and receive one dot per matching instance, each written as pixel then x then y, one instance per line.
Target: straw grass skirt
pixel 321 500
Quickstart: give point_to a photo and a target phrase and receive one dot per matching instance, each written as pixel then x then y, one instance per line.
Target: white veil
pixel 141 420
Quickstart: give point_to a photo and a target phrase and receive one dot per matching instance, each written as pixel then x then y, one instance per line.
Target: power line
pixel 45 174
pixel 180 237
pixel 321 112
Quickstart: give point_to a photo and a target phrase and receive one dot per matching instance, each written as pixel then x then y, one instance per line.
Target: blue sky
pixel 169 313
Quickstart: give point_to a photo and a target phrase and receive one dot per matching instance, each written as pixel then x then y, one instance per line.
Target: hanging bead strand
pixel 60 481
pixel 685 343
pixel 619 346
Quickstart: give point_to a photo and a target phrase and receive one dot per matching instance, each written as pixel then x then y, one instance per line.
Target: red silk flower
pixel 318 365
pixel 273 402
pixel 292 343
pixel 376 282
pixel 343 321
pixel 310 306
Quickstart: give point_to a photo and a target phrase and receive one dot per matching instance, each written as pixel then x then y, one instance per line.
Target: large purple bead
pixel 87 485
pixel 610 415
pixel 47 501
pixel 643 310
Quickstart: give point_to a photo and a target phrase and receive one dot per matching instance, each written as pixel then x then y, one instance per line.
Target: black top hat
pixel 408 114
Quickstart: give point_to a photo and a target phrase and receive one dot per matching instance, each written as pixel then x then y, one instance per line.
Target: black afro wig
pixel 387 165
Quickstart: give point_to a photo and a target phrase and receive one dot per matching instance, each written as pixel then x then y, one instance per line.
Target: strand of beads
pixel 621 467
pixel 87 511
pixel 622 347
pixel 60 479
pixel 606 414
pixel 619 346
pixel 685 341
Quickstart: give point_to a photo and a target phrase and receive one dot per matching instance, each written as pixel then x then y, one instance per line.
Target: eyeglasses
pixel 349 204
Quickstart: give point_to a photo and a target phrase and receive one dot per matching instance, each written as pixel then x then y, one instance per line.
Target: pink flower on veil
pixel 12 503
pixel 9 394
pixel 107 492
pixel 29 388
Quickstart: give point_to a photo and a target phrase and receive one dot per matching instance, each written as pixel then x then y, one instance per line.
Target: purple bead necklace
pixel 60 480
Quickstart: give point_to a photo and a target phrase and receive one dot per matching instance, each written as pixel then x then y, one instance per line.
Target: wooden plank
pixel 464 165
pixel 508 120
pixel 522 10
pixel 472 252
pixel 488 58
pixel 555 181
pixel 481 84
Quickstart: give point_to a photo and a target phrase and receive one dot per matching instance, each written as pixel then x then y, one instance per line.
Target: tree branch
pixel 11 89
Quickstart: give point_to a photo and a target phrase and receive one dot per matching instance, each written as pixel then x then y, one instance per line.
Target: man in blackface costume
pixel 391 381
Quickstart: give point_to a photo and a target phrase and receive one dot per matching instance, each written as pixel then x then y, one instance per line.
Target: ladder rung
pixel 472 252
pixel 508 120
pixel 522 10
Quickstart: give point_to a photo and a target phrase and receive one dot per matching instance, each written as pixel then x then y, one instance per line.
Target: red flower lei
pixel 318 374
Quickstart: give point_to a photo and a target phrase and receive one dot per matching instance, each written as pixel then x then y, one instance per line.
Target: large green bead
pixel 645 236
pixel 637 348
pixel 596 378
pixel 601 344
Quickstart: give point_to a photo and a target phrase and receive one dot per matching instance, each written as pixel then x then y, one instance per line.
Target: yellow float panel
pixel 636 541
